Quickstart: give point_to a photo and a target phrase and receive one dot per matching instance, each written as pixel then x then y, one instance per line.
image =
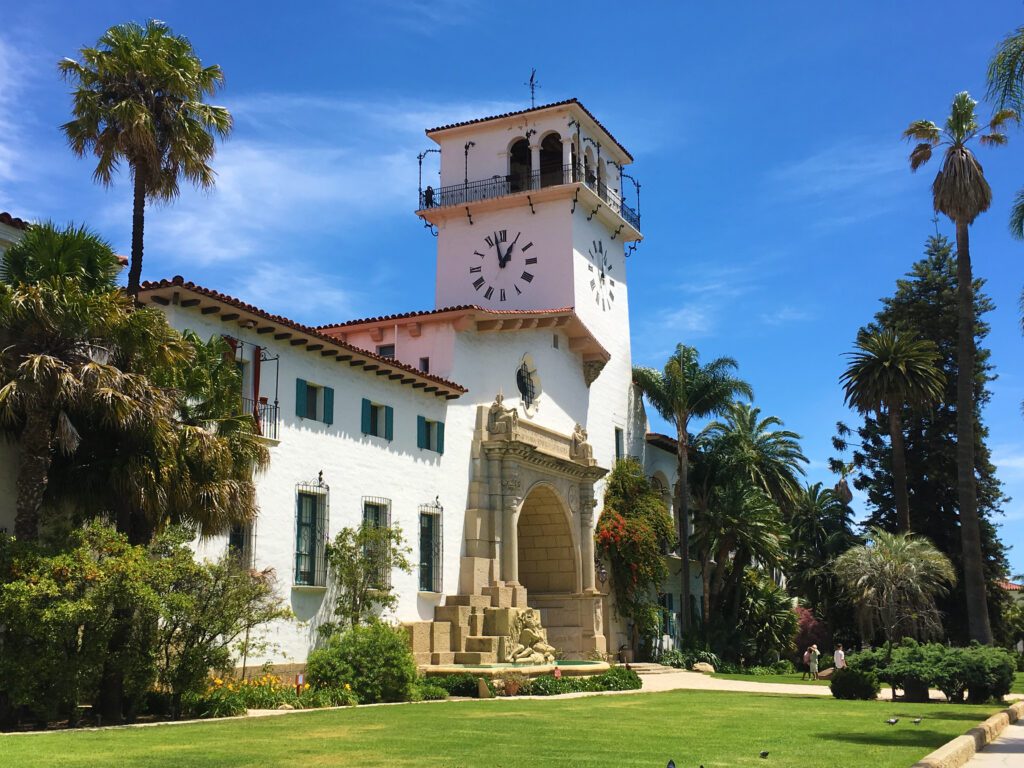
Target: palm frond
pixel 1006 73
pixel 1017 216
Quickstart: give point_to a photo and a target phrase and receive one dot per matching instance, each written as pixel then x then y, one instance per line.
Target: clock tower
pixel 530 215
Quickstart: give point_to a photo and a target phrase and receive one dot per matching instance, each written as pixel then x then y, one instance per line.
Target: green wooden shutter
pixel 421 432
pixel 439 426
pixel 328 405
pixel 300 398
pixel 389 422
pixel 367 410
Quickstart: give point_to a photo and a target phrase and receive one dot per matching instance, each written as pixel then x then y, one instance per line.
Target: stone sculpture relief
pixel 527 640
pixel 501 420
pixel 579 448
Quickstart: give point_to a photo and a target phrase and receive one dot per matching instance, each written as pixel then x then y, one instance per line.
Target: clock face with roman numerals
pixel 599 275
pixel 503 267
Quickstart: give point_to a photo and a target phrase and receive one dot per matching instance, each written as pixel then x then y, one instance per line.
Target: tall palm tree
pixel 961 192
pixel 683 390
pixel 59 311
pixel 1006 92
pixel 768 457
pixel 894 580
pixel 138 98
pixel 888 372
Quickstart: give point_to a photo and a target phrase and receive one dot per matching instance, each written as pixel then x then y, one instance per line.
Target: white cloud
pixel 305 295
pixel 785 314
pixel 1009 461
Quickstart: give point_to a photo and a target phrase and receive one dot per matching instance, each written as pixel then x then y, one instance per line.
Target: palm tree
pixel 766 457
pixel 961 192
pixel 1006 92
pixel 138 98
pixel 59 310
pixel 887 373
pixel 894 580
pixel 683 390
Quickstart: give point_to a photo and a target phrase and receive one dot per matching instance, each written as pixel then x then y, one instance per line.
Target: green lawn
pixel 1018 683
pixel 715 729
pixel 793 677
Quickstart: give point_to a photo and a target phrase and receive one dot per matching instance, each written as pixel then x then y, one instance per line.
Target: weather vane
pixel 534 85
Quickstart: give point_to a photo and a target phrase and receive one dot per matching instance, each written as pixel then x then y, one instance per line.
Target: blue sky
pixel 777 203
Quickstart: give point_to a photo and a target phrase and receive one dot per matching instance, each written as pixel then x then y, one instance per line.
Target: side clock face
pixel 600 270
pixel 503 268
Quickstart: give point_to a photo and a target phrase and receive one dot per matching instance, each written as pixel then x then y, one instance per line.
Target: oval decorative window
pixel 528 384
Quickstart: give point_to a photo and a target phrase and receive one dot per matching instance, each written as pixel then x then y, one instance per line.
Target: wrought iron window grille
pixel 377 514
pixel 431 547
pixel 526 385
pixel 312 508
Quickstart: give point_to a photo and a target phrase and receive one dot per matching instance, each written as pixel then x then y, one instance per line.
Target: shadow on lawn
pixel 894 736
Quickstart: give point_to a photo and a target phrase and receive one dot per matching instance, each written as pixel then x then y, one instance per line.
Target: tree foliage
pixel 360 562
pixel 633 531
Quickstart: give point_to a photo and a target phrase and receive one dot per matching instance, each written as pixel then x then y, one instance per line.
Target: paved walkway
pixel 1006 751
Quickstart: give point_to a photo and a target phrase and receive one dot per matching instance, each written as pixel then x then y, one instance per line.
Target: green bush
pixel 460 684
pixel 783 667
pixel 425 691
pixel 855 684
pixel 515 684
pixel 615 679
pixel 674 658
pixel 225 697
pixel 374 660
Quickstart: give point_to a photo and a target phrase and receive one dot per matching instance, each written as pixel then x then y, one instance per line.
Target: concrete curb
pixel 956 753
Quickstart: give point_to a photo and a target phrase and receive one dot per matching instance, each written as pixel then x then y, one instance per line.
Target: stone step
pixel 456 614
pixel 442 658
pixel 473 601
pixel 440 636
pixel 476 623
pixel 501 596
pixel 475 657
pixel 482 643
pixel 423 658
pixel 459 633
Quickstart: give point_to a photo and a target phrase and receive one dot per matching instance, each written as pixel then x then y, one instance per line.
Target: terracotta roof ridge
pixel 13 221
pixel 179 281
pixel 538 108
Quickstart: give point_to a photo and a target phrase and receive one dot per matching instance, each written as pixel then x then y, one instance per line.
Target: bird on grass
pixel 892 720
pixel 764 754
pixel 917 721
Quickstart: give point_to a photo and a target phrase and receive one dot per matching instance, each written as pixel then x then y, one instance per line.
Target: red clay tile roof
pixel 441 311
pixel 12 221
pixel 535 109
pixel 1009 586
pixel 148 287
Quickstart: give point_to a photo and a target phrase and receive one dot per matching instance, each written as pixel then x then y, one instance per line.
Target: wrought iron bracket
pixel 428 226
pixel 630 250
pixel 575 199
pixel 468 216
pixel 616 232
pixel 531 205
pixel 593 212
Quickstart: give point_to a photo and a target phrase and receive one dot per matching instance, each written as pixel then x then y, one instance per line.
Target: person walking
pixel 806 666
pixel 839 657
pixel 815 655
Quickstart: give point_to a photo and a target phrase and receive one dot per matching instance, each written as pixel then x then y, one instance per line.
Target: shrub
pixel 225 697
pixel 425 691
pixel 375 660
pixel 988 673
pixel 810 631
pixel 783 667
pixel 674 658
pixel 617 679
pixel 461 684
pixel 855 684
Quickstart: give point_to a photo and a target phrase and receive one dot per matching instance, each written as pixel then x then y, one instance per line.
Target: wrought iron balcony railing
pixel 267 416
pixel 502 186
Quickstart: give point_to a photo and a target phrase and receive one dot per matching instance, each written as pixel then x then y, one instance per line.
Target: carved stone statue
pixel 579 448
pixel 501 420
pixel 527 640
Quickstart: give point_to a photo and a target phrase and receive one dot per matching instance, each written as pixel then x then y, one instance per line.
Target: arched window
pixel 551 160
pixel 519 159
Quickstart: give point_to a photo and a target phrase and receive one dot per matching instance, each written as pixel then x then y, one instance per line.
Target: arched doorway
pixel 519 160
pixel 547 556
pixel 551 160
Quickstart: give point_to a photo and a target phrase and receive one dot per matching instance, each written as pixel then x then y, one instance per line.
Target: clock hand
pixel 497 247
pixel 508 253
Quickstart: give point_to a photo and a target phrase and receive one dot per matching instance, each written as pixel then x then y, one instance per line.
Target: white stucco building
pixel 482 426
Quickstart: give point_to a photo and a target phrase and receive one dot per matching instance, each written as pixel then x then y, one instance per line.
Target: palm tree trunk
pixel 33 472
pixel 970 529
pixel 899 469
pixel 138 224
pixel 683 521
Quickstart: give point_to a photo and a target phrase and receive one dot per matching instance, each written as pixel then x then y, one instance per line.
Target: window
pixel 311 535
pixel 668 614
pixel 620 449
pixel 431 547
pixel 525 384
pixel 429 434
pixel 554 340
pixel 378 420
pixel 386 350
pixel 377 514
pixel 241 544
pixel 314 402
pixel 425 364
